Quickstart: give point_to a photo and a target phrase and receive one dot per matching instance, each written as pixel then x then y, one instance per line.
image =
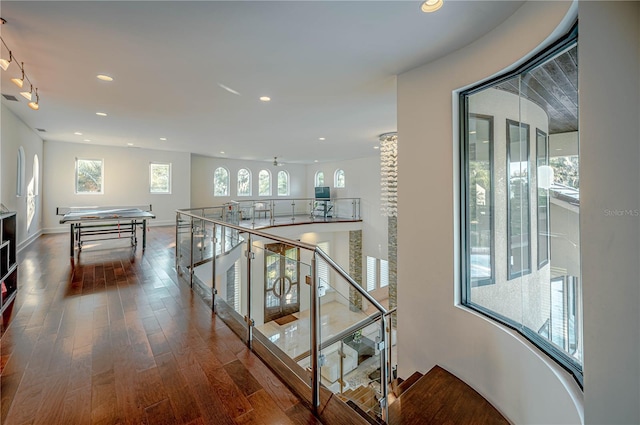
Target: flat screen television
pixel 323 192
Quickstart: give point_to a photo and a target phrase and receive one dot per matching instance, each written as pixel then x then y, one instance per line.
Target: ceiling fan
pixel 276 163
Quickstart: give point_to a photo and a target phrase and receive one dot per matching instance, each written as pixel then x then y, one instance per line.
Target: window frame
pixel 228 182
pixel 170 182
pixel 101 192
pixel 545 346
pixel 522 272
pixel 20 172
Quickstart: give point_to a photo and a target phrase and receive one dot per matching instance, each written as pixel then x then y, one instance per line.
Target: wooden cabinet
pixel 8 260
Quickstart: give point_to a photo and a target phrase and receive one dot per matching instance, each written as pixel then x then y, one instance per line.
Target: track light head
pixel 27 94
pixel 34 103
pixel 19 81
pixel 4 63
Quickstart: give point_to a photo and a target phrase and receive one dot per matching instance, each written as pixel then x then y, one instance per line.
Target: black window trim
pixel 561 358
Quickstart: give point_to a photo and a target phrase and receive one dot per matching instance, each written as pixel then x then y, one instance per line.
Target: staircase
pixel 364 400
pixel 439 397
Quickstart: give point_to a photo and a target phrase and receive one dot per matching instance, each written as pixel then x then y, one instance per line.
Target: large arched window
pixel 283 183
pixel 338 178
pixel 264 183
pixel 20 172
pixel 319 179
pixel 244 182
pixel 221 182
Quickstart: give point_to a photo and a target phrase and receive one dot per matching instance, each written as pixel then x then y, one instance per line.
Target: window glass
pixel 221 182
pixel 264 183
pixel 89 176
pixel 244 182
pixel 159 178
pixel 319 179
pixel 521 179
pixel 283 183
pixel 36 175
pixel 339 180
pixel 372 273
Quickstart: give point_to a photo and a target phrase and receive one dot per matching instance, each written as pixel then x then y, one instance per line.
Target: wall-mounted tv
pixel 323 192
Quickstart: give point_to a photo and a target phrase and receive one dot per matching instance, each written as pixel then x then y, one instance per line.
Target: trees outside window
pixel 89 176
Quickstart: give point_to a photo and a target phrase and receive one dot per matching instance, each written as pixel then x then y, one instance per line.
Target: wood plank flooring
pixel 118 340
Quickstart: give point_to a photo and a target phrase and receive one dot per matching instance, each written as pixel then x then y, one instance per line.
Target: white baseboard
pixel 25 243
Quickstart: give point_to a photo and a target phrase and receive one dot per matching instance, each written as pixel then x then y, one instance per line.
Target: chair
pixel 261 208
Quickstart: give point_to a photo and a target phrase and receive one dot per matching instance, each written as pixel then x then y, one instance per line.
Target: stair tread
pixel 406 384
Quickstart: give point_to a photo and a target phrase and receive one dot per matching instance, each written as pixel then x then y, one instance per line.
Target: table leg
pixel 71 241
pixel 144 234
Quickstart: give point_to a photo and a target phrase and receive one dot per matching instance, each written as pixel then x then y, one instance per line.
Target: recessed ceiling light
pixel 163 138
pixel 129 144
pixel 485 141
pixel 265 98
pixel 101 114
pixel 86 140
pixel 376 147
pixel 222 152
pixel 431 5
pixel 321 138
pixel 558 149
pixel 104 77
pixel 229 89
pixel 77 133
pixel 472 132
pixel 315 160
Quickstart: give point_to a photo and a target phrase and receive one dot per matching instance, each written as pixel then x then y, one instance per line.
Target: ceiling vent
pixel 41 130
pixel 10 97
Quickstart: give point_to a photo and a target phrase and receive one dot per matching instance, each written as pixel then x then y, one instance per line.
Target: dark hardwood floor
pixel 118 340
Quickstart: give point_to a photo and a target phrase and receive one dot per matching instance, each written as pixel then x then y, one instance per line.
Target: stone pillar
pixel 393 265
pixel 355 267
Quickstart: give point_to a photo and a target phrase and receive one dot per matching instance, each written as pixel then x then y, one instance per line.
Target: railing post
pixel 191 254
pixel 293 210
pixel 177 243
pixel 213 268
pixel 384 371
pixel 248 315
pixel 315 338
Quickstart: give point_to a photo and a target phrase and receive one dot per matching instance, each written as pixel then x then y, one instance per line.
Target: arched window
pixel 244 182
pixel 264 183
pixel 36 175
pixel 221 182
pixel 319 179
pixel 338 178
pixel 20 172
pixel 283 183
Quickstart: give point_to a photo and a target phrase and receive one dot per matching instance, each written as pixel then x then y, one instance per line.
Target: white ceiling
pixel 329 66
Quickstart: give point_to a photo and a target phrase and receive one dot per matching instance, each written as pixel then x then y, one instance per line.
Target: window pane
pixel 160 178
pixel 519 253
pixel 543 179
pixel 480 199
pixel 244 182
pixel 508 198
pixel 319 179
pixel 264 183
pixel 384 273
pixel 89 176
pixel 339 178
pixel 221 182
pixel 283 183
pixel 371 273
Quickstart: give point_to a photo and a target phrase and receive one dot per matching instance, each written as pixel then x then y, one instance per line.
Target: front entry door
pixel 282 281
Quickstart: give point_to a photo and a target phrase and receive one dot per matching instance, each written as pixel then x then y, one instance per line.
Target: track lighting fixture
pixel 28 94
pixel 34 103
pixel 19 81
pixel 31 95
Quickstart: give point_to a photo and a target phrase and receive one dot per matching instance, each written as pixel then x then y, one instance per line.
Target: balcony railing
pixel 291 304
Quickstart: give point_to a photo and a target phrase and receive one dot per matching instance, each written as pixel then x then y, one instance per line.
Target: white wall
pixel 609 54
pixel 14 134
pixel 362 177
pixel 524 384
pixel 202 168
pixel 126 180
